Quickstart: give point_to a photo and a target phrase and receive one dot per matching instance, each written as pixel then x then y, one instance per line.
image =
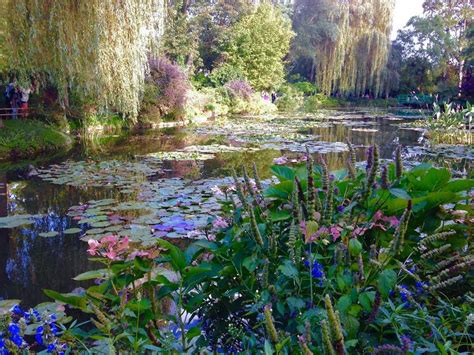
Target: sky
pixel 404 10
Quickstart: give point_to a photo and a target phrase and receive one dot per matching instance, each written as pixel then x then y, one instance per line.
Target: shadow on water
pixel 30 263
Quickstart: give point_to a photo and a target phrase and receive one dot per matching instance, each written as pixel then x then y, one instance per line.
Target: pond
pixel 166 183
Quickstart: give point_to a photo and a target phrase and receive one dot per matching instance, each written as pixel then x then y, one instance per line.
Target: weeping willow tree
pixel 350 40
pixel 95 49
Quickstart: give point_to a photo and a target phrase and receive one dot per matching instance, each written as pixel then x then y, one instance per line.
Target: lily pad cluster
pixel 172 208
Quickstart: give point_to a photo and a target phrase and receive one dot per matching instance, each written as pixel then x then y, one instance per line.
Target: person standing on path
pixel 24 97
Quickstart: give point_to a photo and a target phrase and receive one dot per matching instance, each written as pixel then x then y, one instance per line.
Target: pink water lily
pixel 280 161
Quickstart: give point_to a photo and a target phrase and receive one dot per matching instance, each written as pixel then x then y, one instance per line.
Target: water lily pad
pixel 72 231
pixel 48 234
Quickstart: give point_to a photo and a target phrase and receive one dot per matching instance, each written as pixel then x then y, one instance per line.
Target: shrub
pixel 305 87
pixel 172 86
pixel 239 89
pixel 224 74
pixel 289 98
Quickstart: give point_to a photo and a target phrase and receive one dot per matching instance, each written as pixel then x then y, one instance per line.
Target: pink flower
pixel 219 223
pixel 110 239
pixel 138 253
pixel 359 231
pixel 93 246
pixel 111 254
pixel 280 161
pixel 123 244
pixel 336 232
pixel 211 237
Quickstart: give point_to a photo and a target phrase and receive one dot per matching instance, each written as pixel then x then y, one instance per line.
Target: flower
pixel 17 310
pixel 280 161
pixel 93 246
pixel 317 271
pixel 220 223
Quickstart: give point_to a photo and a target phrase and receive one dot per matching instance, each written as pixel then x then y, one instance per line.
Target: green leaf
pixel 288 269
pixel 295 303
pixel 282 190
pixel 250 263
pixel 278 216
pixel 344 303
pixel 139 306
pixel 178 259
pixel 70 299
pixel 93 274
pixel 283 172
pixel 193 332
pixel 366 299
pixel 355 247
pixel 400 193
pixel 386 281
pixel 458 185
pixel 268 348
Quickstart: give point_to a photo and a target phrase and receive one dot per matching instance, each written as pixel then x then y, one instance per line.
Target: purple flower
pixel 340 208
pixel 240 89
pixel 370 158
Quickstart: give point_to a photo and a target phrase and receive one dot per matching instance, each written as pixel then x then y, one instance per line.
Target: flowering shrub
pixel 371 260
pixel 31 330
pixel 172 85
pixel 239 89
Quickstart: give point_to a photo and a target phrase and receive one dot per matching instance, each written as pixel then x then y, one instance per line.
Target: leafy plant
pixel 352 261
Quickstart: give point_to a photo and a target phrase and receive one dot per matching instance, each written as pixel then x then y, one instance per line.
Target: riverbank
pixel 27 139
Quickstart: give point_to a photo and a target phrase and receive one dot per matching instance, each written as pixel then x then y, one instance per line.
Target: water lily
pixel 219 223
pixel 280 161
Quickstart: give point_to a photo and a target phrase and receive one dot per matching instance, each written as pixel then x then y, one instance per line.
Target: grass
pixel 20 139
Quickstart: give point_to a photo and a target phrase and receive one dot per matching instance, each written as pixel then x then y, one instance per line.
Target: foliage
pixel 107 62
pixel 354 261
pixel 172 86
pixel 257 46
pixel 290 98
pixel 343 46
pixel 436 42
pixel 27 139
pixel 239 89
pixel 448 124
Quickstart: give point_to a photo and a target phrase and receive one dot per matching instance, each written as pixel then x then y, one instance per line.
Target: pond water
pixel 164 183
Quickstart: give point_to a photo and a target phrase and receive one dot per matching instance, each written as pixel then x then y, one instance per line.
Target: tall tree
pixel 96 48
pixel 257 46
pixel 346 43
pixel 440 37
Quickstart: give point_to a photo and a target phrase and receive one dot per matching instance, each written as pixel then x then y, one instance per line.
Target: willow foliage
pixel 96 49
pixel 350 40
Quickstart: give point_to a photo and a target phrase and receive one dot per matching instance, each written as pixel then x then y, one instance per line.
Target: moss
pixel 20 139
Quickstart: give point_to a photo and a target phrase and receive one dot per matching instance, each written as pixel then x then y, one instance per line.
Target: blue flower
pixel 37 315
pixel 53 317
pixel 39 338
pixel 17 310
pixel 317 271
pixel 54 329
pixel 14 329
pixel 2 343
pixel 405 295
pixel 420 287
pixel 51 348
pixel 17 340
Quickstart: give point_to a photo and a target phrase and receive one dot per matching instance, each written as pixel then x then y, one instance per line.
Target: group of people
pixel 17 99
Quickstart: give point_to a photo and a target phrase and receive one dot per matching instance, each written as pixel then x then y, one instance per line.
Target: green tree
pixel 95 49
pixel 343 45
pixel 440 38
pixel 258 44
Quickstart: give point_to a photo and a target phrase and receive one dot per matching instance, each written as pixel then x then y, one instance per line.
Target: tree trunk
pixel 460 77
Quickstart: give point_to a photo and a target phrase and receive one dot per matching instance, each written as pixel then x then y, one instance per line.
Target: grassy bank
pixel 20 139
